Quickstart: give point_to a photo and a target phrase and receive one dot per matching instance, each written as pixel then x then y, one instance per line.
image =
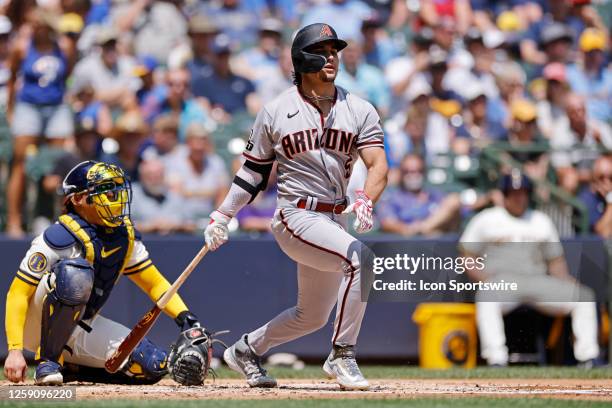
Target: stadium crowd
pixel 168 89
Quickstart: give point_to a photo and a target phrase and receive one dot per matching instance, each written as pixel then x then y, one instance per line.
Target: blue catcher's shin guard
pixel 72 282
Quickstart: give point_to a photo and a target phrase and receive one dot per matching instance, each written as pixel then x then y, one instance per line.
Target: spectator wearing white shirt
pixel 201 177
pixel 576 143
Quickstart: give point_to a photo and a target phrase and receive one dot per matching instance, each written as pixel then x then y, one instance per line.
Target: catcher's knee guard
pixel 147 362
pixel 71 282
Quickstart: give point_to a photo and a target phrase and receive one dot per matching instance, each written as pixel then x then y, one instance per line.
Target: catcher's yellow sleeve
pixel 17 300
pixel 153 283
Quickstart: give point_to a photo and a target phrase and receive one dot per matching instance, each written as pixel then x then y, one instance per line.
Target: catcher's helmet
pixel 108 190
pixel 304 61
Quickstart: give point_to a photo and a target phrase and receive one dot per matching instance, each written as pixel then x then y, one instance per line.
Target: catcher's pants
pixel 88 349
pixel 329 273
pixel 490 321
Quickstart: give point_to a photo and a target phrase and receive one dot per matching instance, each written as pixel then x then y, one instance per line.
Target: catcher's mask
pixel 108 190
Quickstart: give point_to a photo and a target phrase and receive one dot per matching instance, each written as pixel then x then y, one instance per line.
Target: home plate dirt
pixel 600 390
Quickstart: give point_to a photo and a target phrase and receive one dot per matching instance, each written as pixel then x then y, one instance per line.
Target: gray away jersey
pixel 315 154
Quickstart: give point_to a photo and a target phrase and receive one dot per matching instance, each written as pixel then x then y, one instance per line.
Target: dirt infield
pixel 595 390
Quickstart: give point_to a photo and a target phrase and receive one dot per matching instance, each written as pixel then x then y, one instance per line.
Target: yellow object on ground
pixel 447 335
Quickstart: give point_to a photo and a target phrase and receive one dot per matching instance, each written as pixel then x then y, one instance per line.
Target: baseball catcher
pixel 54 302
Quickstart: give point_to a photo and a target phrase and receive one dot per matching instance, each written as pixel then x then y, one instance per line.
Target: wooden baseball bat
pixel 146 322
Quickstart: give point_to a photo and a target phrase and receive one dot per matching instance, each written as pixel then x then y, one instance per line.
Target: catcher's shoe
pixel 342 366
pixel 48 373
pixel 241 358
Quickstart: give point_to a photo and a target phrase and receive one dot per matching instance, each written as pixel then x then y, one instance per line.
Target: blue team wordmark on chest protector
pixel 306 140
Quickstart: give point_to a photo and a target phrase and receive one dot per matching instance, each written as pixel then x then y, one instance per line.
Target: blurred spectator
pixel 5 70
pixel 597 197
pixel 259 62
pixel 479 120
pixel 40 64
pixel 164 144
pixel 401 70
pixel 576 142
pixel 257 216
pixel 177 101
pixel 436 71
pixel 129 132
pixel 551 109
pixel 278 80
pixel 415 209
pixel 155 208
pixel 145 70
pixel 202 31
pixel 344 15
pixel 527 147
pixel 562 23
pixel 556 42
pixel 405 131
pixel 456 12
pixel 157 25
pixel 201 177
pixel 236 18
pixel 478 65
pixel 226 92
pixel 510 79
pixel 86 143
pixel 590 77
pixel 110 74
pixel 90 112
pixel 363 79
pixel 378 48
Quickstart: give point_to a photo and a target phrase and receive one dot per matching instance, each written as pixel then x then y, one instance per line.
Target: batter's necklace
pixel 317 99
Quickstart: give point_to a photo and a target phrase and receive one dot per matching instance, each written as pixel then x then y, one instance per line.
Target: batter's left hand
pixel 362 207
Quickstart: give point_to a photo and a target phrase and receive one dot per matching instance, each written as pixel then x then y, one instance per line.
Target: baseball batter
pixel 315 131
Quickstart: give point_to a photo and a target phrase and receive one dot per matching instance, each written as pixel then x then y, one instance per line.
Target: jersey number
pixel 347 167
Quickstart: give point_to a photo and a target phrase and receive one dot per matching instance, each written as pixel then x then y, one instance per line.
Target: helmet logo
pixel 326 31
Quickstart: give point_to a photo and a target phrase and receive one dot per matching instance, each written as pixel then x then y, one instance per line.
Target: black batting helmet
pixel 304 61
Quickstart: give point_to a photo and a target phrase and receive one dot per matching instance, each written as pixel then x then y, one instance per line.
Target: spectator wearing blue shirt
pixel 260 62
pixel 236 18
pixel 345 16
pixel 597 197
pixel 378 48
pixel 89 111
pixel 144 70
pixel 414 209
pixel 363 79
pixel 224 90
pixel 202 32
pixel 177 101
pixel 590 77
pixel 480 121
pixel 574 15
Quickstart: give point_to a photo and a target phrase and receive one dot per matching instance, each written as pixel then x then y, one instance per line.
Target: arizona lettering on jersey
pixel 315 154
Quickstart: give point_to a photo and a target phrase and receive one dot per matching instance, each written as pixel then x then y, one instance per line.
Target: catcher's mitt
pixel 190 355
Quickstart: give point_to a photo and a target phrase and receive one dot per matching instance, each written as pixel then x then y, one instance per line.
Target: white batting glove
pixel 216 232
pixel 362 207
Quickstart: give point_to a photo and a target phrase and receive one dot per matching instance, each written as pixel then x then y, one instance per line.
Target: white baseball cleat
pixel 241 358
pixel 342 366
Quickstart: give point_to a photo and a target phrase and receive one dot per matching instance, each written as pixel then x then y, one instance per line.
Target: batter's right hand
pixel 216 233
pixel 15 366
